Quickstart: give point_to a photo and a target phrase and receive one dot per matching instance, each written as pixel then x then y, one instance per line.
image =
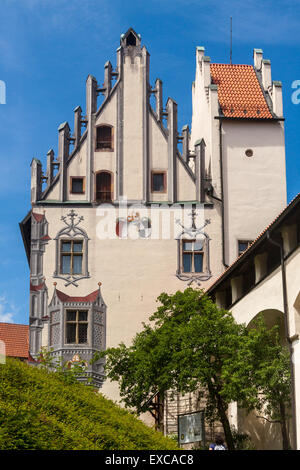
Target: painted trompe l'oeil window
pixel 76 326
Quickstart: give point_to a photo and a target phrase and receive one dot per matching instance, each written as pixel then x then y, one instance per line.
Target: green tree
pixel 187 346
pixel 191 345
pixel 261 379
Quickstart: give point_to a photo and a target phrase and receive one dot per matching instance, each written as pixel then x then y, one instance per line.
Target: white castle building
pixel 227 172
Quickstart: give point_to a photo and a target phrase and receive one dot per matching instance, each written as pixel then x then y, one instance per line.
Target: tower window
pixel 77 185
pixel 159 181
pixel 131 40
pixel 76 326
pixel 104 138
pixel 71 256
pixel 103 186
pixel 192 256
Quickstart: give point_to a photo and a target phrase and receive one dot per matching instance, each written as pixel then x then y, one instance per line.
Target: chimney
pixel 277 99
pixel 257 58
pixel 36 180
pixel 77 125
pixel 266 74
pixel 49 174
pixel 63 154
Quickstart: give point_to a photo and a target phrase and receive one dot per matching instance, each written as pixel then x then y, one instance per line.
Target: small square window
pixel 77 185
pixel 243 246
pixel 159 182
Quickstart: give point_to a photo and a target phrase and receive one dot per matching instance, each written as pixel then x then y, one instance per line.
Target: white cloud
pixel 7 311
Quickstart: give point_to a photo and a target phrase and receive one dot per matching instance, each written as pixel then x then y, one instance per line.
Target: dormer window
pixel 104 137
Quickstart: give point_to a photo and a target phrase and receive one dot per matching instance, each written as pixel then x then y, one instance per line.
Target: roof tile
pixel 239 91
pixel 15 338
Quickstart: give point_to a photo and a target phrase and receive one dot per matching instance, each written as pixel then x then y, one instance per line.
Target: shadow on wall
pixel 265 435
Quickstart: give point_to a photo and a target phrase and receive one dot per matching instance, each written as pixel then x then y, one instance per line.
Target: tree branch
pixel 269 420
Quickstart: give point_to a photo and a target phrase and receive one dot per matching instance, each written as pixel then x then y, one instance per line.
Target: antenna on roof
pixel 231 40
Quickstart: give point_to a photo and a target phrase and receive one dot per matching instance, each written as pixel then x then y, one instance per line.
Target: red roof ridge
pixel 38 217
pixel 67 298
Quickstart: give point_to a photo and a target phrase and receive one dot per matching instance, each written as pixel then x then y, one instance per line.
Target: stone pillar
pixel 200 170
pixel 266 74
pixel 77 125
pixel 107 78
pixel 159 99
pixel 260 263
pixel 63 155
pixel 289 236
pixel 49 174
pixel 277 98
pixel 236 288
pixel 257 58
pixel 91 109
pixel 185 143
pixel 172 150
pixel 36 180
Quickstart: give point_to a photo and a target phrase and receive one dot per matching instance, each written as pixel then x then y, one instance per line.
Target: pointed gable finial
pixel 130 38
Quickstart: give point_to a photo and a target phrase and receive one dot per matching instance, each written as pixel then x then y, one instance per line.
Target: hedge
pixel 39 410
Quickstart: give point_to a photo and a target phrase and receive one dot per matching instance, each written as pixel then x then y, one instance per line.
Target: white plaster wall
pixel 133 273
pixel 268 295
pixel 133 129
pixel 254 187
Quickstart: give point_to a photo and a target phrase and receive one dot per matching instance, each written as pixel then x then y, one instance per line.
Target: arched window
pixel 104 186
pixel 131 40
pixel 104 138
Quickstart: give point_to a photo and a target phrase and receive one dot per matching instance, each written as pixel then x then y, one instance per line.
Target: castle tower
pixel 122 205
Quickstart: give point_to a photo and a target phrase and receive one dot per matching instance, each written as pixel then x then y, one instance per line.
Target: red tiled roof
pixel 38 217
pixel 67 298
pixel 36 288
pixel 239 91
pixel 15 338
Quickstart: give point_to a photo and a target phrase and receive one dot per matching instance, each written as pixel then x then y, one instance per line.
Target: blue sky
pixel 47 49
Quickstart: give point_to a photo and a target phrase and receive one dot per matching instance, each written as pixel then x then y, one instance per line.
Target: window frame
pixel 108 149
pixel 193 252
pixel 71 253
pixel 72 178
pixel 77 322
pixel 111 186
pixel 248 242
pixel 156 172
